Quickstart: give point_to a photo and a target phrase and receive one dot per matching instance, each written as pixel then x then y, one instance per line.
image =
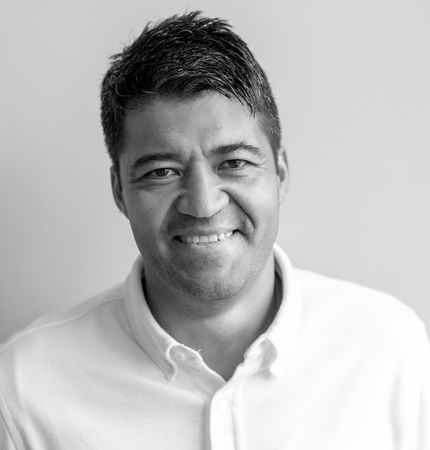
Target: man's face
pixel 201 191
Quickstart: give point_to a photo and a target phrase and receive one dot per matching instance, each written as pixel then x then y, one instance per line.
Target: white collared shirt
pixel 341 367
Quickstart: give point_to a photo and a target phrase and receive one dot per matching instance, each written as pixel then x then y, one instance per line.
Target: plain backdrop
pixel 352 80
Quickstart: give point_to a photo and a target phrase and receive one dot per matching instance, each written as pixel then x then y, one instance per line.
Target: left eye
pixel 234 163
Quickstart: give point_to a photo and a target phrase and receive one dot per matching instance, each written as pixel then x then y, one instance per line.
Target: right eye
pixel 161 173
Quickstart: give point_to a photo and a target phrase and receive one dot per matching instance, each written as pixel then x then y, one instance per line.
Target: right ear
pixel 115 179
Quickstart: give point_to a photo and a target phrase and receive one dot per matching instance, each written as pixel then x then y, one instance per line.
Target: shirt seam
pixel 60 322
pixel 381 296
pixel 14 434
pixel 237 395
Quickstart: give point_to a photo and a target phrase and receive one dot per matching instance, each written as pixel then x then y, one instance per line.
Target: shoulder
pixel 352 311
pixel 49 331
pixel 319 288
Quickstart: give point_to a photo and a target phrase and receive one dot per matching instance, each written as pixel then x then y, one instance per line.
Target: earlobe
pixel 283 174
pixel 117 190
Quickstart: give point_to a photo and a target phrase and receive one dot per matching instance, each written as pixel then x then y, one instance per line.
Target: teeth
pixel 205 239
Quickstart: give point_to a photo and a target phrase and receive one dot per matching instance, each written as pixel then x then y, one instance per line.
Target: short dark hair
pixel 180 58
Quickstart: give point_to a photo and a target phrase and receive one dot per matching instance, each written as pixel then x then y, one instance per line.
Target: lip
pixel 200 231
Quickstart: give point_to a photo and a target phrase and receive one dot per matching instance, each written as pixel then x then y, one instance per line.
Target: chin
pixel 209 292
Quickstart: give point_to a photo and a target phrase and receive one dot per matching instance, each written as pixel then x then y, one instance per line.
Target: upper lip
pixel 200 232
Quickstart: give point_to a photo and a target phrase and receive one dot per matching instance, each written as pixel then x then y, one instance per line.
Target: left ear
pixel 283 174
pixel 117 190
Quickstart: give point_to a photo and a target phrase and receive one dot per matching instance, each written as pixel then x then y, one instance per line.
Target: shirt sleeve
pixel 423 435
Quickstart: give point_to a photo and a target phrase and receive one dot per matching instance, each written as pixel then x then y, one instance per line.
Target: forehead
pixel 205 121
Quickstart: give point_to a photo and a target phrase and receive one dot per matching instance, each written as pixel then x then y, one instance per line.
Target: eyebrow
pixel 222 150
pixel 152 157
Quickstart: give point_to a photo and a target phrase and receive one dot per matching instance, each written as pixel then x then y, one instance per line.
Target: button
pixel 222 406
pixel 194 361
pixel 169 367
pixel 179 355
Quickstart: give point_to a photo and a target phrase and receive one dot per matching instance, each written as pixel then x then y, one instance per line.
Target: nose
pixel 202 194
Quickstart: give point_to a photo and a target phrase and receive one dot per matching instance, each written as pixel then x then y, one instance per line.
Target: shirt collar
pixel 278 341
pixel 155 341
pixel 283 331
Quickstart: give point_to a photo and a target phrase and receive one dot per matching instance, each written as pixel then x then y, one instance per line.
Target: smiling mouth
pixel 205 240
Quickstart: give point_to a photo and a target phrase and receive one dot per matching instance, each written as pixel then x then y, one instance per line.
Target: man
pixel 214 340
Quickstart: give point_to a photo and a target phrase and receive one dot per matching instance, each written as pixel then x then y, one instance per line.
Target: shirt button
pixel 169 367
pixel 222 406
pixel 194 361
pixel 179 356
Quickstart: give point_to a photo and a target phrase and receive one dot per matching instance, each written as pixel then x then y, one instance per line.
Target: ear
pixel 117 190
pixel 283 174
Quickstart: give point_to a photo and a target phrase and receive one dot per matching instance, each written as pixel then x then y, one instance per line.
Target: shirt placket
pixel 225 408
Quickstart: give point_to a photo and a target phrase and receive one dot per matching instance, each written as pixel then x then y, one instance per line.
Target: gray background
pixel 352 83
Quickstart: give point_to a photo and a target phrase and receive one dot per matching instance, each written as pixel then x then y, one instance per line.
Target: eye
pixel 234 164
pixel 161 173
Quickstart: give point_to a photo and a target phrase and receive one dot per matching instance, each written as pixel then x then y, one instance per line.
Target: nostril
pixel 200 203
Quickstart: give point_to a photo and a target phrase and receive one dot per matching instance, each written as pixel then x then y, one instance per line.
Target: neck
pixel 221 333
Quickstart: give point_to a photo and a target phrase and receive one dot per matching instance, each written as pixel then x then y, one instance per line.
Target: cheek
pixel 260 202
pixel 259 194
pixel 148 212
